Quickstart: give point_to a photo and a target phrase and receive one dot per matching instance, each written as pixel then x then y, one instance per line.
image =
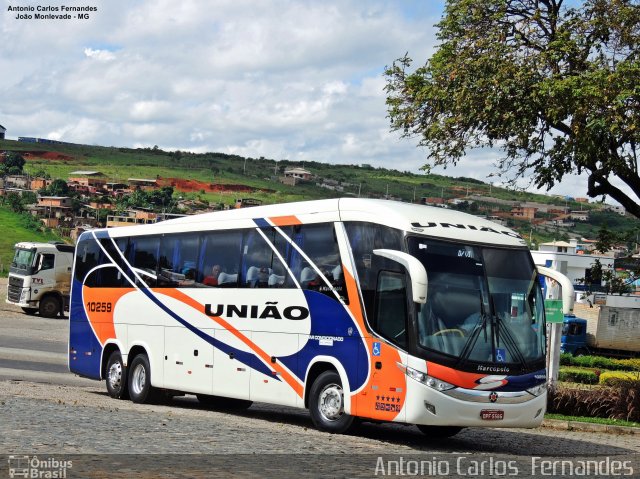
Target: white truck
pixel 40 278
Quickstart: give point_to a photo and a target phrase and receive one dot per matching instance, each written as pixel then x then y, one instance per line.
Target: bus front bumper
pixel 471 408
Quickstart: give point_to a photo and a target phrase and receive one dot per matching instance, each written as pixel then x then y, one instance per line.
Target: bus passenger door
pixel 384 396
pixel 188 360
pixel 231 376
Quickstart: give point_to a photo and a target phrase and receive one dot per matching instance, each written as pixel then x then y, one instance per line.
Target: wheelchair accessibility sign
pixel 376 349
pixel 500 356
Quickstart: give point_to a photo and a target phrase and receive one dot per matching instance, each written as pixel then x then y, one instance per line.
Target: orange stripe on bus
pixel 285 220
pixel 185 299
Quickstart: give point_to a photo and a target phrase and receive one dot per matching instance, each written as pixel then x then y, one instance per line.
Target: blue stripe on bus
pixel 261 223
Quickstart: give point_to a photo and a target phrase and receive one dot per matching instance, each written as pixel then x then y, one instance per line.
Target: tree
pixel 58 187
pixel 555 88
pixel 14 162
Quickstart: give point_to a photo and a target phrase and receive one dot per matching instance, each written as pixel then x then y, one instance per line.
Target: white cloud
pixel 276 78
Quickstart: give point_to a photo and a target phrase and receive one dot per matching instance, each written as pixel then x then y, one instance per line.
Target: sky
pixel 297 80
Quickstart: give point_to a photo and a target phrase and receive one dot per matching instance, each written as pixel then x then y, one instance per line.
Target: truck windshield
pixel 23 259
pixel 484 305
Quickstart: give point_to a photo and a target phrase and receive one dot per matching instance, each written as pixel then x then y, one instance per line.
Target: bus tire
pixel 116 377
pixel 223 403
pixel 30 311
pixel 326 404
pixel 439 432
pixel 139 380
pixel 49 307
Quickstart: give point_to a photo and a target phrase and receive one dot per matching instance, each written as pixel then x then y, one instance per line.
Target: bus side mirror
pixel 566 285
pixel 414 267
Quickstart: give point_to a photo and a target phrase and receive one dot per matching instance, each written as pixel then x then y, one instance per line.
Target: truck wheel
pixel 49 307
pixel 326 404
pixel 116 377
pixel 139 380
pixel 30 311
pixel 581 352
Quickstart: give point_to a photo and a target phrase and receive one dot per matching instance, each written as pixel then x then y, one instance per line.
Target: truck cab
pixel 574 336
pixel 40 278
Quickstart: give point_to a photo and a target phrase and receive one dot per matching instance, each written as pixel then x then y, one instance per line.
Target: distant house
pixel 39 183
pixel 292 176
pixel 579 215
pixel 526 212
pixel 3 130
pixel 130 218
pixel 142 184
pixel 559 247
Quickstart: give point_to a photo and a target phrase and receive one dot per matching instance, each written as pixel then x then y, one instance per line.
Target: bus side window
pixel 145 258
pixel 259 260
pixel 219 259
pixel 390 319
pixel 319 243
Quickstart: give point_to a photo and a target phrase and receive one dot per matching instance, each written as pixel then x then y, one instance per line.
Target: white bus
pixel 348 307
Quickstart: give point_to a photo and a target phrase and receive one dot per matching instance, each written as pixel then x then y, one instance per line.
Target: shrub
pixel 578 375
pixel 600 362
pixel 620 401
pixel 612 378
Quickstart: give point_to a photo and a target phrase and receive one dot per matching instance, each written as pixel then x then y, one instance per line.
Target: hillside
pixel 14 229
pixel 221 178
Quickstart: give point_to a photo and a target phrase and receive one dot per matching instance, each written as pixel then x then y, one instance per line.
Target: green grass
pixel 14 231
pixel 596 420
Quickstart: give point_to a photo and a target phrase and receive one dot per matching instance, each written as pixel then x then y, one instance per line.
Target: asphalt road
pixel 47 412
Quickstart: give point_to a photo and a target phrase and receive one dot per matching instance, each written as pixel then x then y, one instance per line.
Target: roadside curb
pixel 589 427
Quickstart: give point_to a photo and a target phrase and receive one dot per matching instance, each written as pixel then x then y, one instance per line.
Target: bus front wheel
pixel 326 404
pixel 140 389
pixel 439 432
pixel 116 377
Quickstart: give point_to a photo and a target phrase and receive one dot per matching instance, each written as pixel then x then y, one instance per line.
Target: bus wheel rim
pixel 331 401
pixel 115 375
pixel 139 379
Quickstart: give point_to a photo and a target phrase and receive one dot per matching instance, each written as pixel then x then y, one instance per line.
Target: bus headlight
pixel 538 390
pixel 423 378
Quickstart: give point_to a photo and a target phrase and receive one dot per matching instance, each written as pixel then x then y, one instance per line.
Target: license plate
pixel 492 414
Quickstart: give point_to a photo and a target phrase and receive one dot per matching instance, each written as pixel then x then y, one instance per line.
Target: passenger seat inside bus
pixel 225 279
pixel 307 275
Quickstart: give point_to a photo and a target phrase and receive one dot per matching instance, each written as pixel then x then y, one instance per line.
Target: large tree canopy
pixel 556 88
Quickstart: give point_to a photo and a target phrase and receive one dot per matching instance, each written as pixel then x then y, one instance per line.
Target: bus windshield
pixel 23 259
pixel 484 304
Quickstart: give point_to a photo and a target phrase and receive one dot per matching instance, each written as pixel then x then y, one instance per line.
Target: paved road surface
pixel 47 412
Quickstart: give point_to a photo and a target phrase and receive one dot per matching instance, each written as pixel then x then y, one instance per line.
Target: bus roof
pixel 420 219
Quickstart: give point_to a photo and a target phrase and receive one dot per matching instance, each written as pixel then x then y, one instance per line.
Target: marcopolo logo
pixel 35 467
pixel 270 310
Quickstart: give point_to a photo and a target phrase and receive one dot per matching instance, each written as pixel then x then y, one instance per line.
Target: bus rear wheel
pixel 439 432
pixel 223 403
pixel 139 380
pixel 326 404
pixel 116 377
pixel 49 307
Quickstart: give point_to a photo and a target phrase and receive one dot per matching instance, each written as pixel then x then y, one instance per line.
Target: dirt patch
pixel 189 186
pixel 45 155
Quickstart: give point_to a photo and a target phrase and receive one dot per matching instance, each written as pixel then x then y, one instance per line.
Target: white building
pixel 572 265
